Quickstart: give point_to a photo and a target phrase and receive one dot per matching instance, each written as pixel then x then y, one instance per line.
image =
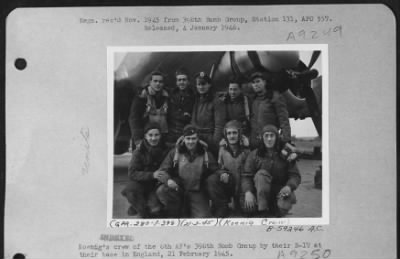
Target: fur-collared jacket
pixel 190 171
pixel 233 162
pixel 148 106
pixel 282 172
pixel 269 109
pixel 145 161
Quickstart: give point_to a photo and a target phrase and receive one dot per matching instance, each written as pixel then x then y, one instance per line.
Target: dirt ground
pixel 309 199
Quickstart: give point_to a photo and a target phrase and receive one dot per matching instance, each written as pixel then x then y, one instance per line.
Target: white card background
pixel 52 205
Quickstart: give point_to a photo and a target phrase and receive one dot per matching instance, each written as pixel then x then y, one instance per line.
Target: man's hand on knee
pixel 172 184
pixel 161 176
pixel 224 177
pixel 285 192
pixel 249 201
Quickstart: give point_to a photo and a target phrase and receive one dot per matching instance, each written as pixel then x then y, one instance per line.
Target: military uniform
pixel 190 171
pixel 268 109
pixel 148 106
pixel 147 196
pixel 230 161
pixel 265 174
pixel 238 109
pixel 209 116
pixel 179 112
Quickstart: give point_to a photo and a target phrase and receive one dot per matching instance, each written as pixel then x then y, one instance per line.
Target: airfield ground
pixel 309 199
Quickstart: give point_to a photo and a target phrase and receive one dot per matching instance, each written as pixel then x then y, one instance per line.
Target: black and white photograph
pixel 248 130
pixel 214 132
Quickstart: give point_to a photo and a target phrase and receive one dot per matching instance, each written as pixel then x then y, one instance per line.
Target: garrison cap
pixel 203 76
pixel 189 130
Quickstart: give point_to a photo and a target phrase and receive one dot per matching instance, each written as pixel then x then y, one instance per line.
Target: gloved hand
pixel 172 184
pixel 223 143
pixel 285 192
pixel 292 157
pixel 224 177
pixel 161 176
pixel 289 152
pixel 187 117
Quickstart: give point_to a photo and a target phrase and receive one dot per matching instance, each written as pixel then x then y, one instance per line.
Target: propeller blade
pixel 314 58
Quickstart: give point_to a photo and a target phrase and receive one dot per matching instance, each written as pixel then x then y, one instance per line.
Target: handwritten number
pixel 314 34
pixel 326 253
pixel 327 33
pixel 302 254
pixel 338 29
pixel 316 254
pixel 302 34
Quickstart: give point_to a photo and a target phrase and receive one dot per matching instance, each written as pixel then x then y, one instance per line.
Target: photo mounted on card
pixel 214 90
pixel 251 131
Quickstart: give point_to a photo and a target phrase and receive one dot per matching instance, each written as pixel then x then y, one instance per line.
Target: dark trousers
pixel 152 200
pixel 220 194
pixel 196 205
pixel 267 192
pixel 262 183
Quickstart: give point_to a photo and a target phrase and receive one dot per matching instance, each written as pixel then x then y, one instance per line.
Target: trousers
pixel 221 194
pixel 196 204
pixel 152 200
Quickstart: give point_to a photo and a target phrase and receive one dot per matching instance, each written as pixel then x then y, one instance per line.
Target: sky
pixel 303 128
